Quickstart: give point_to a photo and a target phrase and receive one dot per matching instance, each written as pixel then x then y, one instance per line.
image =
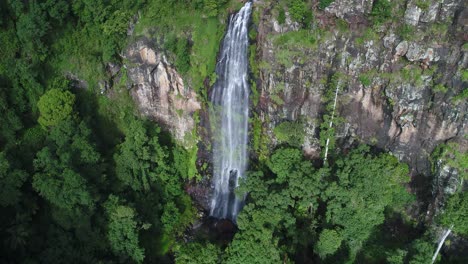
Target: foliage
pixel 260 140
pixel 423 4
pixel 295 39
pixel 364 79
pixel 325 3
pixel 329 242
pixel 451 155
pixel 123 230
pixel 139 159
pixel 300 12
pixel 456 213
pixel 11 181
pixel 281 16
pixel 180 47
pixel 55 106
pixel 58 166
pixel 439 88
pixel 421 251
pixel 196 253
pixel 291 133
pixel 464 75
pixel 365 186
pixel 405 31
pixel 284 202
pixel 381 11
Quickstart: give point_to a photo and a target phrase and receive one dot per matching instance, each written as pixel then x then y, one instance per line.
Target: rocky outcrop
pixel 349 8
pixel 399 92
pixel 448 178
pixel 159 91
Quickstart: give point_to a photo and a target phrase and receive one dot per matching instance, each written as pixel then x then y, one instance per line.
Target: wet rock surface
pixel 219 231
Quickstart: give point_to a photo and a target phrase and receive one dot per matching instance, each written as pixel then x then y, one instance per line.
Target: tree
pixel 123 230
pixel 9 119
pixel 31 28
pixel 456 213
pixel 61 186
pixel 253 246
pixel 364 186
pixel 140 159
pixel 61 166
pixel 329 242
pixel 11 181
pixel 420 251
pixel 291 133
pixel 280 209
pixel 197 253
pixel 55 106
pixel 300 12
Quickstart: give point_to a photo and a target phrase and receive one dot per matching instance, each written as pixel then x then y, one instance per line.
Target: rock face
pixel 159 90
pixel 447 179
pixel 393 92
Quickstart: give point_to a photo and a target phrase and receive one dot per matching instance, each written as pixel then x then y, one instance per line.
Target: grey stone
pixel 342 8
pixel 430 14
pixel 412 14
pixel 159 91
pixel 401 48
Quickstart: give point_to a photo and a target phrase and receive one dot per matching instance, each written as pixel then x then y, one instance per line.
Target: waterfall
pixel 230 113
pixel 441 243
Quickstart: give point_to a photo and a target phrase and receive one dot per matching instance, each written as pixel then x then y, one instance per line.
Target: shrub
pixel 325 3
pixel 183 55
pixel 291 133
pixel 381 11
pixel 329 242
pixel 281 16
pixel 300 12
pixel 55 106
pixel 365 80
pixel 405 31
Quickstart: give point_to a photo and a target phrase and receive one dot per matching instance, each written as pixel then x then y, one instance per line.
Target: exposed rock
pixel 412 14
pixel 447 180
pixel 159 90
pixel 395 111
pixel 418 53
pixel 76 82
pixel 401 49
pixel 430 14
pixel 349 8
pixel 288 25
pixel 103 86
pixel 389 41
pixel 113 68
pixel 448 9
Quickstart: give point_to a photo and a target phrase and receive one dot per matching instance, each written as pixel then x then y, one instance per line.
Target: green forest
pixel 84 178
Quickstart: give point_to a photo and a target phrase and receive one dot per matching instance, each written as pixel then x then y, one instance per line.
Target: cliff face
pixel 159 90
pixel 398 89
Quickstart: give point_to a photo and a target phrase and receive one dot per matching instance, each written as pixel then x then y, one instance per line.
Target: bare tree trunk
pixel 331 124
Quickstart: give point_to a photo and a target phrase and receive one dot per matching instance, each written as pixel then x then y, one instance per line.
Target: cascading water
pixel 230 114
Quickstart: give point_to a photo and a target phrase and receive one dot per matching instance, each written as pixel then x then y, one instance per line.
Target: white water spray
pixel 230 113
